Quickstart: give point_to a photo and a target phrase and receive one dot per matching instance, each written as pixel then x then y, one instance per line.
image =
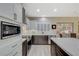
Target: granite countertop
pixel 69 45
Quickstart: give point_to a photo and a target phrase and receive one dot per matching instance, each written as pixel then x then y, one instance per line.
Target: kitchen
pixel 39 29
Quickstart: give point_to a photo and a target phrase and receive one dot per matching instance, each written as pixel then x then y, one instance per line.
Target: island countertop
pixel 69 45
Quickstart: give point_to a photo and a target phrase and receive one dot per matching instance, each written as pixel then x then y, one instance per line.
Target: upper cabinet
pixel 23 16
pixel 18 12
pixel 13 11
pixel 7 10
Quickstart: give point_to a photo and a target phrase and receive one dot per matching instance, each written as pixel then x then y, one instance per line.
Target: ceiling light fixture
pixel 38 10
pixel 55 10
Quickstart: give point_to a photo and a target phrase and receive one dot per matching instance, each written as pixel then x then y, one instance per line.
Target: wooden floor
pixel 40 50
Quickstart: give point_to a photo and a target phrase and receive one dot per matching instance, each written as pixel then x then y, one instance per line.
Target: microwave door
pixel 9 29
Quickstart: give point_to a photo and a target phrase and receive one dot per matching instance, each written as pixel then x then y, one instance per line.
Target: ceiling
pixel 51 9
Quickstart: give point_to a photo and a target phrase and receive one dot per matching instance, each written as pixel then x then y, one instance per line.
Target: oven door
pixel 9 29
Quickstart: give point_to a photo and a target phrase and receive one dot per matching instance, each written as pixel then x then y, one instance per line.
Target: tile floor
pixel 40 50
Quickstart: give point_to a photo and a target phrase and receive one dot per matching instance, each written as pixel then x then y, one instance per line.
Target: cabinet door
pixel 53 51
pixel 6 50
pixel 23 16
pixel 15 52
pixel 40 40
pixel 18 12
pixel 24 48
pixel 7 10
pixel 60 52
pixel 56 50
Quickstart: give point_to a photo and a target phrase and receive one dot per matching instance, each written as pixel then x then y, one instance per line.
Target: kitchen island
pixel 69 46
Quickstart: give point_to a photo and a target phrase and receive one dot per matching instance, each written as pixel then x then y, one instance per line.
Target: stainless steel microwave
pixel 8 29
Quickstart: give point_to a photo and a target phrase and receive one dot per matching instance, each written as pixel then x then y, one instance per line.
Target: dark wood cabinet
pixel 24 48
pixel 29 45
pixel 60 52
pixel 55 49
pixel 40 40
pixel 73 35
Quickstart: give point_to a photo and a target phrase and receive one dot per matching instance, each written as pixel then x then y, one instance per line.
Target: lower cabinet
pixel 53 51
pixel 11 49
pixel 13 53
pixel 40 40
pixel 24 48
pixel 56 50
pixel 60 52
pixel 29 45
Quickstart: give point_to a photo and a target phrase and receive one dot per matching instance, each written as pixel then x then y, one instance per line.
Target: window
pixel 64 27
pixel 39 26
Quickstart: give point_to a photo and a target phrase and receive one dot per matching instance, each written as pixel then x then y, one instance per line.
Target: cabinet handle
pixel 14 45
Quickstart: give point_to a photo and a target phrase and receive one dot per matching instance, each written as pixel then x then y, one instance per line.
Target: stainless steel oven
pixel 8 29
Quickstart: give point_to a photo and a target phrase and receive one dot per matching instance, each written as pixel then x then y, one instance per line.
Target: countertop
pixel 69 45
pixel 26 37
pixel 35 32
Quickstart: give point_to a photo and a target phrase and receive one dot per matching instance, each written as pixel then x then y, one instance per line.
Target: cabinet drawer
pixel 13 53
pixel 7 49
pixel 16 52
pixel 19 49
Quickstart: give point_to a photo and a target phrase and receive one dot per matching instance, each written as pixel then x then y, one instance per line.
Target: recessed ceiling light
pixel 55 10
pixel 38 10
